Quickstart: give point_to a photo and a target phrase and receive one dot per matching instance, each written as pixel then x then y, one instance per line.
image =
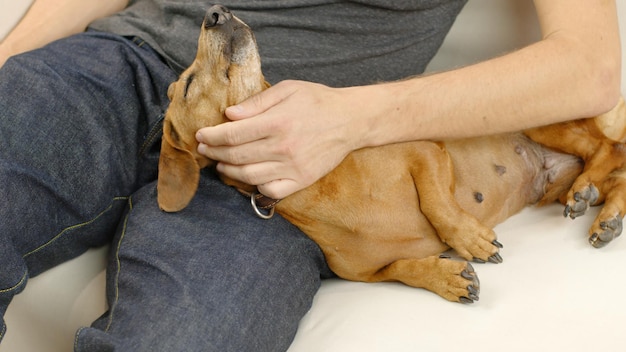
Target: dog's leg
pixel 604 176
pixel 599 141
pixel 453 280
pixel 576 138
pixel 608 224
pixel 433 175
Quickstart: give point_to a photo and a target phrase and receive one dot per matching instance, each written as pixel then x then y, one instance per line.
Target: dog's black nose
pixel 217 15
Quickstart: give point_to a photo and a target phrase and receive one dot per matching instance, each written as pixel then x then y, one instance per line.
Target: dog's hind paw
pixel 606 231
pixel 581 200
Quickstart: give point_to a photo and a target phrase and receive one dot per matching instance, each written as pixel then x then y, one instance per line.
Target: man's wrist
pixel 381 114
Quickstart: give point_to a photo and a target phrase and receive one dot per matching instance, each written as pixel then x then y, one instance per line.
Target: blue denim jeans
pixel 80 125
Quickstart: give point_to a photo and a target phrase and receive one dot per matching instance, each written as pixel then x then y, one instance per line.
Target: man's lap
pixel 209 274
pixel 213 277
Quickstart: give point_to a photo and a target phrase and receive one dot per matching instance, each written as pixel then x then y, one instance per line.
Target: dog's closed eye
pixel 187 84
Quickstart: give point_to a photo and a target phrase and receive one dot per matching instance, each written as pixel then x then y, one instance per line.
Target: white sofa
pixel 553 291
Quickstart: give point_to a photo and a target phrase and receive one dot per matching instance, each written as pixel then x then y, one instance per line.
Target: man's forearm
pixel 565 76
pixel 49 20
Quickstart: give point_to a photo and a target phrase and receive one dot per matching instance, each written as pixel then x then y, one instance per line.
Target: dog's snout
pixel 217 15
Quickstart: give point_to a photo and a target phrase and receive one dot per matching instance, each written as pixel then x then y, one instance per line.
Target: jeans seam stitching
pixel 153 134
pixel 67 229
pixel 118 265
pixel 21 282
pixel 76 338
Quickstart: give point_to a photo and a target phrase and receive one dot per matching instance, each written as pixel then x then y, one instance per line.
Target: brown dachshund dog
pixel 388 213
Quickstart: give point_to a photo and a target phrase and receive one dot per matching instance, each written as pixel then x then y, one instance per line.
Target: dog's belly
pixel 497 176
pixel 366 213
pixel 367 220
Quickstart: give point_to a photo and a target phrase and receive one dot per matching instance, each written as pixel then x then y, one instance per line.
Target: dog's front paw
pixel 580 199
pixel 495 258
pixel 475 242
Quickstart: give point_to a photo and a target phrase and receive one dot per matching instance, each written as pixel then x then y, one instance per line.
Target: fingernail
pixel 202 148
pixel 199 137
pixel 235 109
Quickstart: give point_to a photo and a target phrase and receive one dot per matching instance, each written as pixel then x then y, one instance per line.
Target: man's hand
pixel 282 139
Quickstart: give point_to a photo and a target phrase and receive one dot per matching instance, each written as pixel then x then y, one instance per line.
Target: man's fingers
pixel 279 189
pixel 264 176
pixel 237 155
pixel 252 174
pixel 259 103
pixel 244 129
pixel 233 133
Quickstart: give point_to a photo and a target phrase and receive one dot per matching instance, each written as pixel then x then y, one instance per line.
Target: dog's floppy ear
pixel 179 173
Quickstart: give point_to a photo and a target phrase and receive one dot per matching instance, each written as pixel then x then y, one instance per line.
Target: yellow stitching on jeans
pixel 4 330
pixel 16 285
pixel 118 265
pixel 4 327
pixel 67 229
pixel 76 337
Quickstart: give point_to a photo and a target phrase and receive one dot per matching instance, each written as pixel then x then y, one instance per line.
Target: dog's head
pixel 226 71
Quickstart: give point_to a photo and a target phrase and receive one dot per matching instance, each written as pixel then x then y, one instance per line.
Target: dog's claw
pixel 466 300
pixel 497 244
pixel 496 258
pixel 594 240
pixel 473 293
pixel 579 208
pixel 470 268
pixel 567 210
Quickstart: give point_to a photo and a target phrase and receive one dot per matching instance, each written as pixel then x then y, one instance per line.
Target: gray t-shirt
pixel 338 43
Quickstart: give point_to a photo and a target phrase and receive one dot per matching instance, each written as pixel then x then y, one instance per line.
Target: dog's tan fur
pixel 387 213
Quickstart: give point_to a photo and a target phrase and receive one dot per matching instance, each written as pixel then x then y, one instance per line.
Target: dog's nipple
pixel 479 197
